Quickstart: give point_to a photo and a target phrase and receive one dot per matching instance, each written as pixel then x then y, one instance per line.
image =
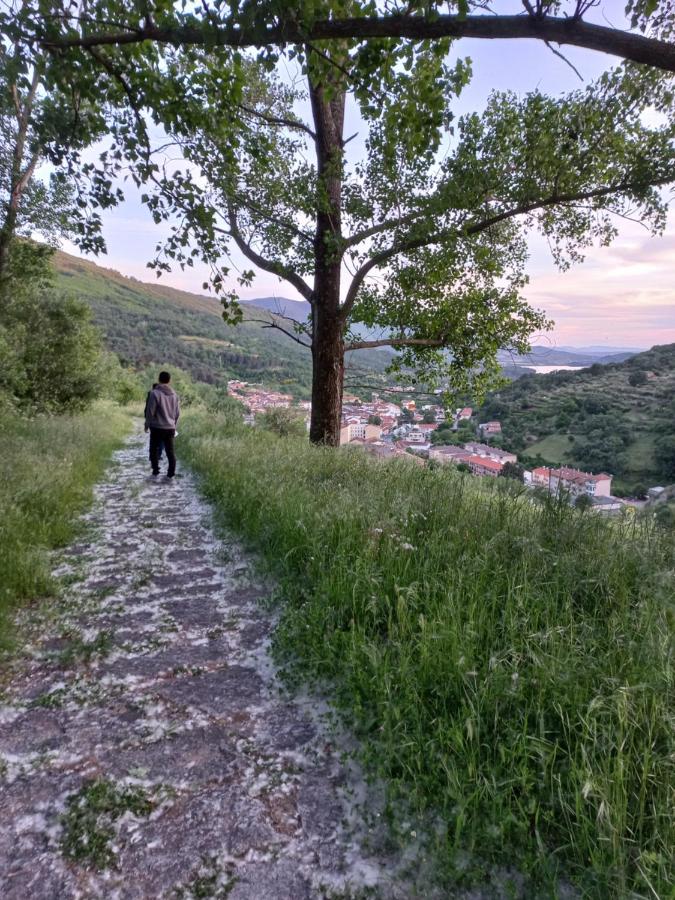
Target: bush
pixel 513 470
pixel 583 502
pixel 51 352
pixel 637 378
pixel 282 421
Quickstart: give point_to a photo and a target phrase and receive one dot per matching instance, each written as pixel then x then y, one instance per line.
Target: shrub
pixel 637 378
pixel 282 421
pixel 51 351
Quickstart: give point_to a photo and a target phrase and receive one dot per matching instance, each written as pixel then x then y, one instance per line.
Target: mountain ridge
pixel 153 323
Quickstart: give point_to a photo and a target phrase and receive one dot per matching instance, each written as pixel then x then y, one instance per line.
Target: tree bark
pixel 19 179
pixel 327 320
pixel 328 366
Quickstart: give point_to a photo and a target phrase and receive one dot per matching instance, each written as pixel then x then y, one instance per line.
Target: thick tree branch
pixel 28 172
pixel 278 120
pixel 268 265
pixel 470 229
pixel 396 342
pixel 571 31
pixel 267 324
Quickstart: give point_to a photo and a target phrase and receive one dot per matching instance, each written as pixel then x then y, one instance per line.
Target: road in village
pixel 146 748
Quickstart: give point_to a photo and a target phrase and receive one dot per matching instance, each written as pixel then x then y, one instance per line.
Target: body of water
pixel 544 370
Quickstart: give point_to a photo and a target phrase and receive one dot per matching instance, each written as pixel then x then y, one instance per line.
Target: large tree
pixel 27 203
pixel 437 216
pixel 425 246
pixel 44 126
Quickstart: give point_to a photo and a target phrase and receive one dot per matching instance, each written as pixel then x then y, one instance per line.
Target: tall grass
pixel 48 467
pixel 507 665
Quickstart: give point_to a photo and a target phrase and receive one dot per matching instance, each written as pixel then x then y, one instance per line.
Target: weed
pixel 88 823
pixel 51 700
pixel 210 882
pixel 83 651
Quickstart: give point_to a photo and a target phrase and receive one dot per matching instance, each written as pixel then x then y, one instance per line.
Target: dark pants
pixel 162 437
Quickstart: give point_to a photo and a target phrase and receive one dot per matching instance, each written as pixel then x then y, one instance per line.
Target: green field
pixel 554 449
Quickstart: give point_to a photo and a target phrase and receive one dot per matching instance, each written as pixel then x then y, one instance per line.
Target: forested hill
pixel 151 322
pixel 619 418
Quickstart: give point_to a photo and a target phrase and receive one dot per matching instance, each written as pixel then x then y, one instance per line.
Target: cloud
pixel 624 293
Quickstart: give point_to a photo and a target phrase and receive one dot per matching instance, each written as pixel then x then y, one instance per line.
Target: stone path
pixel 146 750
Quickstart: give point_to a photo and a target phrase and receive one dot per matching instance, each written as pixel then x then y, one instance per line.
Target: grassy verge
pixel 506 665
pixel 49 465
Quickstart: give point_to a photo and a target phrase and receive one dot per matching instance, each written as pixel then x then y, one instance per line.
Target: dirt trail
pixel 146 750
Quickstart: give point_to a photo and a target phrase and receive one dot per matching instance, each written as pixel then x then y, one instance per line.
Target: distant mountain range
pixel 148 323
pixel 299 311
pixel 152 322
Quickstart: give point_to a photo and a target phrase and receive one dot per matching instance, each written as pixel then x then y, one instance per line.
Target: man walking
pixel 162 410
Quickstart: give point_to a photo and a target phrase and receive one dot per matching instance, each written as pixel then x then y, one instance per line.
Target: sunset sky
pixel 622 295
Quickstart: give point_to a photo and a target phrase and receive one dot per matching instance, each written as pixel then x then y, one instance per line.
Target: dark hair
pixel 164 378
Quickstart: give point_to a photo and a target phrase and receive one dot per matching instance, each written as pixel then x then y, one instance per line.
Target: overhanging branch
pixel 278 120
pixel 268 265
pixel 571 31
pixel 471 229
pixel 294 337
pixel 396 342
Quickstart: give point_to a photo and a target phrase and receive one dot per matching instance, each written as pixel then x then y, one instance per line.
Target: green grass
pixel 553 448
pixel 88 823
pixel 49 465
pixel 505 664
pixel 640 454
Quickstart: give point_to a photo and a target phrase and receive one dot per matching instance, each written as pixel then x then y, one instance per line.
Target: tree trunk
pixel 5 238
pixel 328 323
pixel 328 366
pixel 12 210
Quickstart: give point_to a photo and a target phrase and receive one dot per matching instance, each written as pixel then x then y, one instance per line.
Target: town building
pixel 362 431
pixel 481 465
pixel 449 454
pixel 573 481
pixel 495 453
pixel 488 429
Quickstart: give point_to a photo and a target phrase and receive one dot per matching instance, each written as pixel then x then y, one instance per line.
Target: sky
pixel 620 296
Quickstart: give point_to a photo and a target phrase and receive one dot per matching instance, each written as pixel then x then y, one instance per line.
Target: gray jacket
pixel 162 408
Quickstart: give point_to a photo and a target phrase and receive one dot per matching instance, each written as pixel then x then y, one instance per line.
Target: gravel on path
pixel 146 749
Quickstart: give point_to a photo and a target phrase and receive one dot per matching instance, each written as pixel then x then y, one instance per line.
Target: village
pixel 388 430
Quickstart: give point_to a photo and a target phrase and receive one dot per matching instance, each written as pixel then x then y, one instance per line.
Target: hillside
pixel 567 356
pixel 618 417
pixel 151 322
